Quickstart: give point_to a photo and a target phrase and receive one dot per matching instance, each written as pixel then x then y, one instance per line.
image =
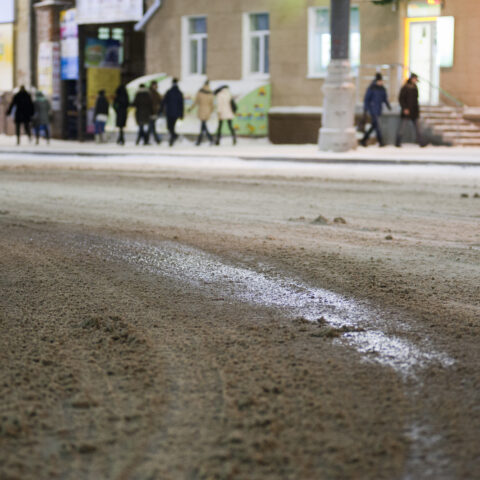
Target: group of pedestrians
pixel 226 109
pixel 376 96
pixel 26 112
pixel 149 105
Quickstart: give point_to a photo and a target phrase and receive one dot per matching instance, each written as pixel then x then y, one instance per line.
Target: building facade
pixel 286 44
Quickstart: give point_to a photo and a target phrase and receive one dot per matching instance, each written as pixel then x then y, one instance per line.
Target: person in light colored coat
pixel 225 112
pixel 204 101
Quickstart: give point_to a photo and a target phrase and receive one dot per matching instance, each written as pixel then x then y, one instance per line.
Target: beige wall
pixel 22 44
pixel 463 80
pixel 291 86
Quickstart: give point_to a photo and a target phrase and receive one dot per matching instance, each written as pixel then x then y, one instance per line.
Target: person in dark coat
pixel 173 106
pixel 156 106
pixel 41 117
pixel 120 105
pixel 410 109
pixel 24 110
pixel 143 113
pixel 375 97
pixel 100 115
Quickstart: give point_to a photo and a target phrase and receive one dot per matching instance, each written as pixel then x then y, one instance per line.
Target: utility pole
pixel 338 132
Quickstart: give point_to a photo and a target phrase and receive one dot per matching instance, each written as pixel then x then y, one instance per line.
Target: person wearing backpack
pixel 225 108
pixel 41 117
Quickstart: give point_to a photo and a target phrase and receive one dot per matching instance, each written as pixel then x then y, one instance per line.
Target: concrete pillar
pixel 338 132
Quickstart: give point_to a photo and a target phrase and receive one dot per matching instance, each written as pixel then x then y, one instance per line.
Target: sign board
pixel 102 53
pixel 6 57
pixel 424 8
pixel 109 11
pixel 7 12
pixel 49 72
pixel 69 45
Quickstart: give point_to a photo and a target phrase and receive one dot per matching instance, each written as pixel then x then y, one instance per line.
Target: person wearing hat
pixel 410 109
pixel 375 97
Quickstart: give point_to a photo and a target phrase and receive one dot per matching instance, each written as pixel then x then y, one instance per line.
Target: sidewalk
pixel 250 149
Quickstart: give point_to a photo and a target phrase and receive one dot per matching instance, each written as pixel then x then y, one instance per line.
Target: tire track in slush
pixel 367 329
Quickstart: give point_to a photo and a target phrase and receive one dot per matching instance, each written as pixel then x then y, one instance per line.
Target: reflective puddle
pixel 378 338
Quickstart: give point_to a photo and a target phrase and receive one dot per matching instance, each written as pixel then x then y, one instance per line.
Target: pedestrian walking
pixel 100 116
pixel 410 110
pixel 24 109
pixel 173 106
pixel 204 101
pixel 121 103
pixel 375 97
pixel 41 117
pixel 225 108
pixel 143 113
pixel 156 106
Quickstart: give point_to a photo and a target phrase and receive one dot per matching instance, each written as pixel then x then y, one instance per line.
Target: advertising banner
pixel 49 72
pixel 7 11
pixel 102 53
pixel 69 45
pixel 6 57
pixel 109 11
pixel 107 79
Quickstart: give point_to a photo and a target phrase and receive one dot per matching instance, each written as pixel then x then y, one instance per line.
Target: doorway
pixel 422 55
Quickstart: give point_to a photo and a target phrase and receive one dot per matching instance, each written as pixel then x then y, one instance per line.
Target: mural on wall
pixel 252 114
pixel 253 98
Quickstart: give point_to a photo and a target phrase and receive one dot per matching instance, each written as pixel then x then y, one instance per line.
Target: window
pixel 197 45
pixel 320 40
pixel 257 53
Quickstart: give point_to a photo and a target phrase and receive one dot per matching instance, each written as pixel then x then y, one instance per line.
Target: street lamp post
pixel 338 132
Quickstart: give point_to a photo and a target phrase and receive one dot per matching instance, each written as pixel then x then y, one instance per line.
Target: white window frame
pixel 186 39
pixel 247 36
pixel 312 17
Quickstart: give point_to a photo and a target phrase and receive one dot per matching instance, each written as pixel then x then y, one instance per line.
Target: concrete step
pixel 461 135
pixel 457 128
pixel 445 121
pixel 466 143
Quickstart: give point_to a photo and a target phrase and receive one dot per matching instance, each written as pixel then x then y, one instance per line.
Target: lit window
pixel 258 44
pixel 197 46
pixel 103 33
pixel 320 40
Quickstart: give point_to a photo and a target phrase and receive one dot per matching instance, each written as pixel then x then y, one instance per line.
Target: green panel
pixel 252 114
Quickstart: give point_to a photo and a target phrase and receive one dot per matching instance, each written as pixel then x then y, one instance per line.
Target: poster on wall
pixel 6 57
pixel 69 44
pixel 7 12
pixel 107 79
pixel 49 72
pixel 109 11
pixel 102 53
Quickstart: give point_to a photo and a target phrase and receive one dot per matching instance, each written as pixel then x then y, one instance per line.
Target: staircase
pixel 448 122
